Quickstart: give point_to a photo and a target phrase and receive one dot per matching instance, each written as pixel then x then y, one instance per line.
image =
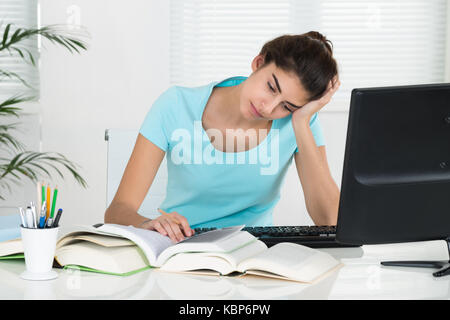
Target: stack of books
pixel 125 250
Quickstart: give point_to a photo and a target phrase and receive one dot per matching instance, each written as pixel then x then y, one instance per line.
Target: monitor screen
pixel 396 174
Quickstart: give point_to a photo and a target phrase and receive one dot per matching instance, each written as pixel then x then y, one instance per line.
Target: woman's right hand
pixel 172 224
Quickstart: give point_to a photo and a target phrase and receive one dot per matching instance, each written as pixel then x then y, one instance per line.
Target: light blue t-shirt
pixel 210 187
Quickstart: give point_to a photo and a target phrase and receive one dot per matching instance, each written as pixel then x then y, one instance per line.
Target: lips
pixel 255 112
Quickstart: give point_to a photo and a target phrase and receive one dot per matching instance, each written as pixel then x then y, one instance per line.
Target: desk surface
pixel 361 277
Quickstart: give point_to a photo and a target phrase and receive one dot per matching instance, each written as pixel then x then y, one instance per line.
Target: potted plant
pixel 18 162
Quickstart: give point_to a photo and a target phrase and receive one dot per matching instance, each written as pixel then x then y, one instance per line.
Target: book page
pixel 220 240
pixel 222 262
pixel 213 235
pixel 152 243
pixel 11 247
pixel 118 260
pixel 245 252
pixel 291 261
pixel 71 233
pixel 100 239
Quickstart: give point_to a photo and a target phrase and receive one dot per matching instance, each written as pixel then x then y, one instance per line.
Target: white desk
pixel 362 277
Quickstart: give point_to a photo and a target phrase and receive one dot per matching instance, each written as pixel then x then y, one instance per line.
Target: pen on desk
pixel 445 271
pixel 43 215
pixel 58 216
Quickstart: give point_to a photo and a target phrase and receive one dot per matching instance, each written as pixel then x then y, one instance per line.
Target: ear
pixel 257 62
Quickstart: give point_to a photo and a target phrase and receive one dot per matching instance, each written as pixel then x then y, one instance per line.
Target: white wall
pixel 111 85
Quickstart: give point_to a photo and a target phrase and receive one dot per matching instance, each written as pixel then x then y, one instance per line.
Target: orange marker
pixel 48 202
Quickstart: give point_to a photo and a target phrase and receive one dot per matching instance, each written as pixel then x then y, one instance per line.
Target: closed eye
pixel 287 108
pixel 273 90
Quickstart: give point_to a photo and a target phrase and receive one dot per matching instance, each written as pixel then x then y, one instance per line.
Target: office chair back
pixel 120 146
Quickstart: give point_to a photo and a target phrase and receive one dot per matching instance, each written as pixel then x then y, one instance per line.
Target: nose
pixel 269 105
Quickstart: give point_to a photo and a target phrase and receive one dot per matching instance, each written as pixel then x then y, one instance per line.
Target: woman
pixel 212 181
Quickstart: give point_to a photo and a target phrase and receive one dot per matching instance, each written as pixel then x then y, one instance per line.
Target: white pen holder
pixel 39 249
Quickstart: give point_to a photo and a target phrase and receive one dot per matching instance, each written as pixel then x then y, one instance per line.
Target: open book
pixel 124 250
pixel 11 249
pixel 118 249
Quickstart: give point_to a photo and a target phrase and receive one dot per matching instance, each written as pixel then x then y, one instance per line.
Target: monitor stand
pixel 443 266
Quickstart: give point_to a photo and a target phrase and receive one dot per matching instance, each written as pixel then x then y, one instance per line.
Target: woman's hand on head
pixel 309 109
pixel 172 224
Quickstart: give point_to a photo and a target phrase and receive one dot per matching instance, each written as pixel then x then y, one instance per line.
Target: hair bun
pixel 320 37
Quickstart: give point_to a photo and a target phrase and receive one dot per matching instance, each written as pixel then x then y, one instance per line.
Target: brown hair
pixel 308 55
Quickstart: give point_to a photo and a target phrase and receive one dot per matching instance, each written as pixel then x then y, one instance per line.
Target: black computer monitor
pixel 396 174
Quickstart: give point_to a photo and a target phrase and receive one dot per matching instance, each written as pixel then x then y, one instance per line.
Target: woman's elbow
pixel 110 213
pixel 326 214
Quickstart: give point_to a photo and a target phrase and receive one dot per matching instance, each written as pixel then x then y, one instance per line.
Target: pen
pixel 58 216
pixel 170 217
pixel 42 216
pixel 55 194
pixel 33 213
pixel 48 201
pixel 29 217
pixel 175 220
pixel 49 223
pixel 22 217
pixel 38 199
pixel 43 193
pixel 445 271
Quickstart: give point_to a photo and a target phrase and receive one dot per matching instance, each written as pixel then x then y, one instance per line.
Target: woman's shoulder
pixel 179 96
pixel 191 91
pixel 204 88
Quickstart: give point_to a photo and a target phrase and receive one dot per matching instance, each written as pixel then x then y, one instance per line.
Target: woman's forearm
pixel 120 213
pixel 319 188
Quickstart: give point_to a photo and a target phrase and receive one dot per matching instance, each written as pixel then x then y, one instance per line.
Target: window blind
pixel 22 14
pixel 376 43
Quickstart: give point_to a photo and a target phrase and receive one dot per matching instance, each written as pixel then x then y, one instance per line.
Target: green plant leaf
pixel 5 34
pixel 16 33
pixel 57 34
pixel 7 140
pixel 32 165
pixel 7 110
pixel 9 74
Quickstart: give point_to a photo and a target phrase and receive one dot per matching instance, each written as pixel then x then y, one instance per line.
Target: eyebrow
pixel 279 89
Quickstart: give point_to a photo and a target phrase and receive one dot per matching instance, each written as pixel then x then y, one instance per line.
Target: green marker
pixel 55 194
pixel 43 194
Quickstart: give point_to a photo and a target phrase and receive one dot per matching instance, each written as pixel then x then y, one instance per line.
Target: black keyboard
pixel 310 236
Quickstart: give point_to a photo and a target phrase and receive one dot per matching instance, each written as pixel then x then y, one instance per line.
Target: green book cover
pixel 82 268
pixel 13 256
